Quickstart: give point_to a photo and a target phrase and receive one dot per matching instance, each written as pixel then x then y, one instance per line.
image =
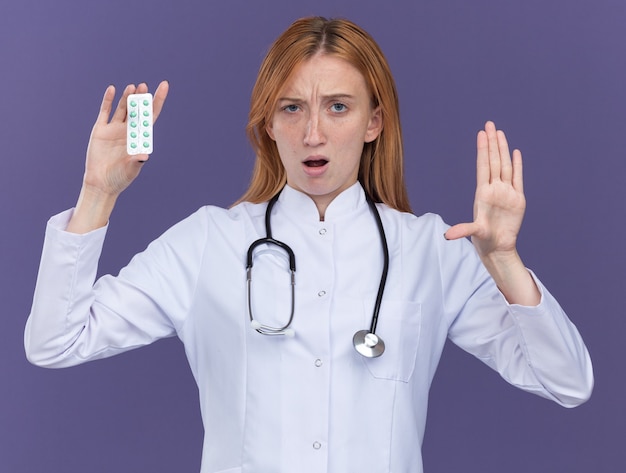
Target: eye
pixel 291 108
pixel 338 107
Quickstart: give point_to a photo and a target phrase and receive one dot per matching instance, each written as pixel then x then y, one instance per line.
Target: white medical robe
pixel 309 403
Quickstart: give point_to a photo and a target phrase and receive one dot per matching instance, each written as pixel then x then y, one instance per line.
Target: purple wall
pixel 551 73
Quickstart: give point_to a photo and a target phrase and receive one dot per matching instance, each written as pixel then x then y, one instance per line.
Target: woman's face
pixel 322 120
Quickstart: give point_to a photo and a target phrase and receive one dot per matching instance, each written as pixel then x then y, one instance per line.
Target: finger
pixel 461 230
pixel 518 174
pixel 506 169
pixel 142 88
pixel 482 159
pixel 160 94
pixel 105 106
pixel 494 151
pixel 120 111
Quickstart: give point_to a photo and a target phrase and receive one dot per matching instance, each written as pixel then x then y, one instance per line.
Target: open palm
pixel 499 202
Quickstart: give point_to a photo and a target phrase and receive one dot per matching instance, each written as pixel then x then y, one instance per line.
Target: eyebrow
pixel 326 98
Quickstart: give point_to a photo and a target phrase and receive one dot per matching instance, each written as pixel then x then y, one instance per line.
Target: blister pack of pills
pixel 139 124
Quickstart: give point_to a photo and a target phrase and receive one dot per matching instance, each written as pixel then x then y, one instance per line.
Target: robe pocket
pixel 399 325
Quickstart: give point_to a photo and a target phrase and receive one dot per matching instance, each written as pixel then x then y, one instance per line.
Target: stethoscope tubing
pixel 261 328
pixel 383 277
pixel 366 343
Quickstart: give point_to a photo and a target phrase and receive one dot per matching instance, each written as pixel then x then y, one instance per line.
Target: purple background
pixel 550 73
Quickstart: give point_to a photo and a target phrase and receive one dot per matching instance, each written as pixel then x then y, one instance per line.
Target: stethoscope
pixel 366 342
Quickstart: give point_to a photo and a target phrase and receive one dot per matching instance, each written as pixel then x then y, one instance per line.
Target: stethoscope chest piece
pixel 368 344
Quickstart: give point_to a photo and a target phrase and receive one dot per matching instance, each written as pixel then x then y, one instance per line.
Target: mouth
pixel 315 163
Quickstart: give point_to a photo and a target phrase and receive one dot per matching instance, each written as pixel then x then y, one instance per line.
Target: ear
pixel 269 128
pixel 375 125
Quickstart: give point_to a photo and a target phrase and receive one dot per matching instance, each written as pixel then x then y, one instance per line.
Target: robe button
pixel 321 293
pixel 317 445
pixel 318 362
pixel 322 231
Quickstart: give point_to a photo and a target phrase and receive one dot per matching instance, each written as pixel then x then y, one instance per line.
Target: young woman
pixel 313 324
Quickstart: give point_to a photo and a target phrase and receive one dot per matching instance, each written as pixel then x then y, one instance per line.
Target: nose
pixel 313 135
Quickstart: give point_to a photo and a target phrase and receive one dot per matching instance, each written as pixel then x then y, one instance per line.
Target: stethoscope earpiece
pixel 368 344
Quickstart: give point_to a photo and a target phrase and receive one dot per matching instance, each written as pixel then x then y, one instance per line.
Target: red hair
pixel 381 169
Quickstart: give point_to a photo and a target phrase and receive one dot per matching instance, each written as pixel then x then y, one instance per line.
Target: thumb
pixel 460 230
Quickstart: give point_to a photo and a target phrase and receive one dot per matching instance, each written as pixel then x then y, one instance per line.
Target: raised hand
pixel 108 167
pixel 499 207
pixel 499 203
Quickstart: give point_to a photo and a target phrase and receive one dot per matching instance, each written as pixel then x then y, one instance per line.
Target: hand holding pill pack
pixel 139 124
